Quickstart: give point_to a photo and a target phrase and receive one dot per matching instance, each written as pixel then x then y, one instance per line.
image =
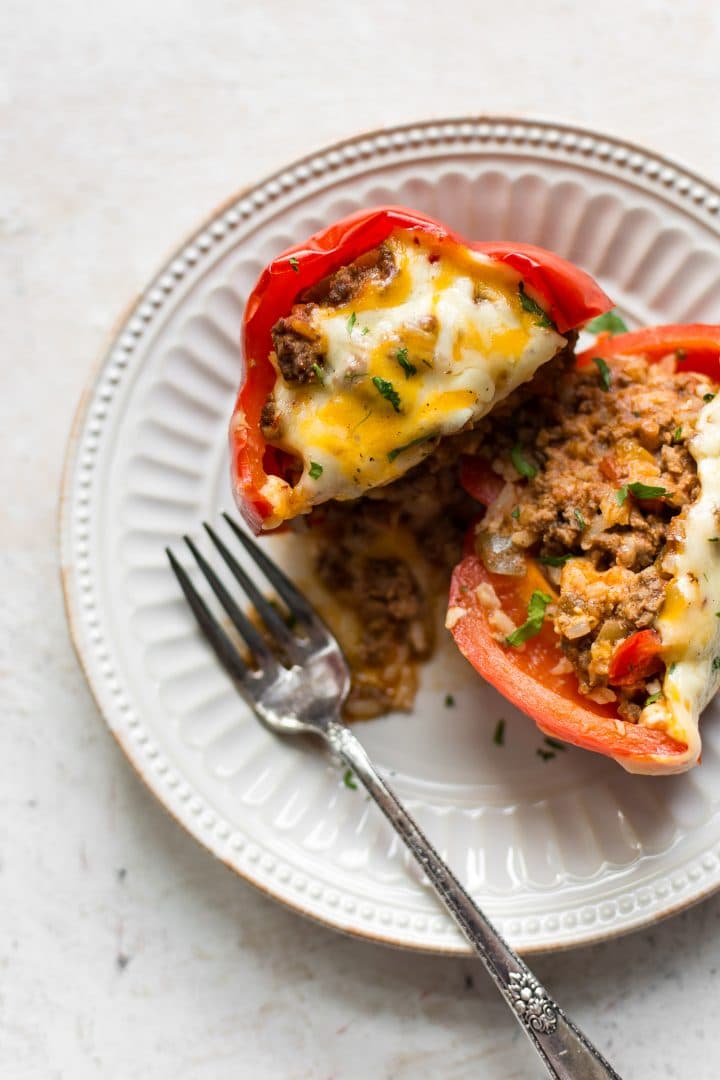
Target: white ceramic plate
pixel 558 852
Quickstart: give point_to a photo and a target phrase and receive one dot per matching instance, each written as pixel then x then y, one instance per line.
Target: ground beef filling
pixel 299 348
pixel 573 447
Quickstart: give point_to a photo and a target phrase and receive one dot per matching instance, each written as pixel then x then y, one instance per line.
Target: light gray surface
pixel 127 123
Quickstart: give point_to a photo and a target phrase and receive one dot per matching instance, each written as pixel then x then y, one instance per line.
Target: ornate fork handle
pixel 567 1053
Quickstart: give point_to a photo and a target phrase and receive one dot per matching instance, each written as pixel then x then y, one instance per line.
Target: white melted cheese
pixel 457 318
pixel 687 623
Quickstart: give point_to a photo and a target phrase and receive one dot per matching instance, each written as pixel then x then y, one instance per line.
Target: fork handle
pixel 567 1053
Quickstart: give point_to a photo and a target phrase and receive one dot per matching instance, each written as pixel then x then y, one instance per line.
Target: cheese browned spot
pixel 421 346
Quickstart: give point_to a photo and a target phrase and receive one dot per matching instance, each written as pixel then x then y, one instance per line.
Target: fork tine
pixel 221 643
pixel 267 611
pixel 295 601
pixel 250 634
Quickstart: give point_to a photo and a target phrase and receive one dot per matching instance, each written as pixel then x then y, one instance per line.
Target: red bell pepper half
pixel 524 676
pixel 567 294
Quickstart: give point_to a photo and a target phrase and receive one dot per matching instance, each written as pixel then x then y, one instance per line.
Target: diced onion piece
pixel 577 628
pixel 500 555
pixel 603 696
pixel 454 615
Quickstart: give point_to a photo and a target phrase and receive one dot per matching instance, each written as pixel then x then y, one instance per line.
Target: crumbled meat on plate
pixel 386 560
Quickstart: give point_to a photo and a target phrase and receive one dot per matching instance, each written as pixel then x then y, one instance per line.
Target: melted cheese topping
pixel 688 623
pixel 424 355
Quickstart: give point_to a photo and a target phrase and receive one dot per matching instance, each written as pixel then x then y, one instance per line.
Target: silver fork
pixel 298 685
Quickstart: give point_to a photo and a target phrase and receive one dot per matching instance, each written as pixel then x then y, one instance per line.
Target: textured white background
pixel 125 950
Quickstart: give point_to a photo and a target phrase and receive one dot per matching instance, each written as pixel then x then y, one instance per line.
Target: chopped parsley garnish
pixel 351 323
pixel 499 733
pixel 315 470
pixel 555 744
pixel 610 322
pixel 530 305
pixel 677 435
pixel 349 780
pixel 449 701
pixel 579 518
pixel 294 264
pixel 402 358
pixel 708 397
pixel 388 391
pixel 713 539
pixel 319 373
pixel 716 663
pixel 653 698
pixel 365 330
pixel 672 667
pixel 523 467
pixel 535 618
pixel 640 491
pixel 516 513
pixel 554 560
pixel 546 755
pixel 392 454
pixel 605 373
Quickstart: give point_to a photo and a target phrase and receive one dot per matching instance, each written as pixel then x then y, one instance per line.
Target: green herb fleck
pixel 351 323
pixel 677 435
pixel 402 358
pixel 579 518
pixel 640 491
pixel 449 701
pixel 523 467
pixel 555 744
pixel 388 391
pixel 653 698
pixel 365 330
pixel 555 560
pixel 672 668
pixel 535 617
pixel 716 663
pixel 319 374
pixel 530 305
pixel 315 470
pixel 392 454
pixel 713 539
pixel 708 397
pixel 546 755
pixel 294 264
pixel 605 373
pixel 349 780
pixel 499 733
pixel 610 322
pixel 516 513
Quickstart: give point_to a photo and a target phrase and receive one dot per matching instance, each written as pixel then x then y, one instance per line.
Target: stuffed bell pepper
pixel 589 594
pixel 377 338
